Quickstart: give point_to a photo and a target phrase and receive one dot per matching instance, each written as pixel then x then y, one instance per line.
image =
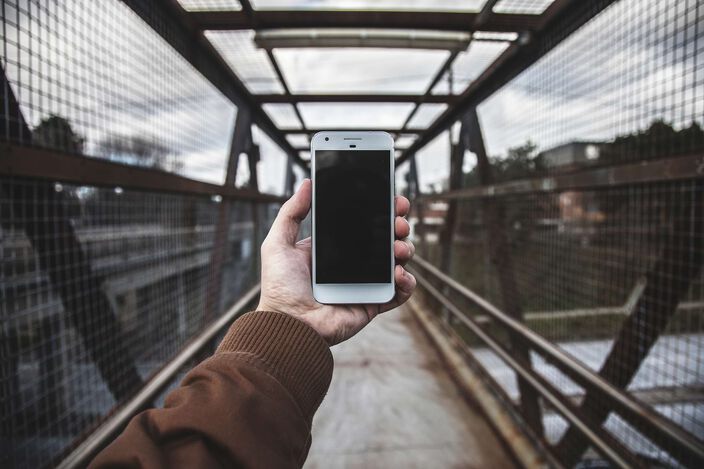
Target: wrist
pixel 303 316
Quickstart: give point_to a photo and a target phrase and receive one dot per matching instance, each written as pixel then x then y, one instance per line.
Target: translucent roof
pixel 355 115
pixel 210 5
pixel 425 115
pixel 528 7
pixel 359 70
pixel 298 140
pixel 361 73
pixel 250 64
pixel 469 65
pixel 283 115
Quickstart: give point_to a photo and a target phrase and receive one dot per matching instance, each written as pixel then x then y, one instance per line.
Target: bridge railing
pixel 130 217
pixel 579 295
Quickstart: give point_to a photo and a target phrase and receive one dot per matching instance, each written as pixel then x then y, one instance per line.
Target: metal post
pixel 253 184
pixel 499 250
pixel 289 178
pixel 667 283
pixel 240 139
pixel 416 192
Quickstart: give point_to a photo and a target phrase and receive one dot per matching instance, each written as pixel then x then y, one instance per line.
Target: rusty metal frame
pixel 353 98
pixel 499 249
pixel 296 19
pixel 393 131
pixel 51 165
pixel 241 139
pixel 674 168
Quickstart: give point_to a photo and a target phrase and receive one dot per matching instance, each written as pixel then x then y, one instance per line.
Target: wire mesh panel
pixel 100 287
pixel 92 78
pixel 609 270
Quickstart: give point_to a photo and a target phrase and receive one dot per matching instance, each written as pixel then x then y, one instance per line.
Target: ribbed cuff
pixel 295 354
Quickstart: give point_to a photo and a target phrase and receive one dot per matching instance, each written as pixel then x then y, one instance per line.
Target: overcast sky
pixel 111 77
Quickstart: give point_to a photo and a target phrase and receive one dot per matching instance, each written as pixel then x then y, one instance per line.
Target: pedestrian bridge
pixel 553 153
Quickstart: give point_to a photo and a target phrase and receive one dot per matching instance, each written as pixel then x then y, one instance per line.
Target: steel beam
pixel 313 130
pixel 500 253
pixel 241 139
pixel 353 98
pixel 428 95
pixel 168 19
pixel 296 19
pixel 420 209
pixel 558 22
pixel 287 91
pixel 54 166
pixel 337 38
pixel 675 168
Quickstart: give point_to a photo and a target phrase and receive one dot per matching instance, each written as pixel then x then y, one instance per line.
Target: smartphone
pixel 353 217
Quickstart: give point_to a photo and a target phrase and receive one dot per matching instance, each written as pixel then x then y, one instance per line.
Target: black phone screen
pixel 353 216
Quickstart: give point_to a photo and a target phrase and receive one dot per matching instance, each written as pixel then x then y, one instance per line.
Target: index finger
pixel 403 206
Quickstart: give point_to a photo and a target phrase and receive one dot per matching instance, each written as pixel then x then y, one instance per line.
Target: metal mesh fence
pixel 93 78
pixel 99 289
pixel 610 270
pixel 102 286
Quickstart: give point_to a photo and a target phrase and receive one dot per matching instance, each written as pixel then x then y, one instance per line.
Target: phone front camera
pixel 326 139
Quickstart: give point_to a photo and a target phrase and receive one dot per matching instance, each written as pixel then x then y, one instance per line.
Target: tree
pixel 519 162
pixel 660 140
pixel 139 151
pixel 55 132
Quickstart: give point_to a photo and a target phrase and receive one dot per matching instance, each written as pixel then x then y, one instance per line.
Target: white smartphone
pixel 353 217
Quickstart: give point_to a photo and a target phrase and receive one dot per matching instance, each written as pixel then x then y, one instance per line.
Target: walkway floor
pixel 392 404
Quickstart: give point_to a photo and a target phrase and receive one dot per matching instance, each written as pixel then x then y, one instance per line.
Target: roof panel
pixel 526 7
pixel 428 5
pixel 354 115
pixel 298 140
pixel 358 70
pixel 404 141
pixel 470 64
pixel 250 64
pixel 283 115
pixel 210 5
pixel 426 114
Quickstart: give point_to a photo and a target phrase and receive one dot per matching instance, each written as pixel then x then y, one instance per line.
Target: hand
pixel 286 273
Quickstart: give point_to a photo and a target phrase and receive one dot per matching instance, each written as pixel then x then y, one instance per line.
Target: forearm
pixel 250 405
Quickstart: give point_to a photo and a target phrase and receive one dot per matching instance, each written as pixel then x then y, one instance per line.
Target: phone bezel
pixel 354 293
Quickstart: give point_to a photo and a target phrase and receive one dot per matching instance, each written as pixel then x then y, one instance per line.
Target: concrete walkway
pixel 392 404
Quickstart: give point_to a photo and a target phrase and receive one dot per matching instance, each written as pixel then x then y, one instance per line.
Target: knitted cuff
pixel 295 354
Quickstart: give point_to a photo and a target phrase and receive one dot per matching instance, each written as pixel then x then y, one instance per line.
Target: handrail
pixel 102 436
pixel 661 430
pixel 660 170
pixel 612 450
pixel 42 163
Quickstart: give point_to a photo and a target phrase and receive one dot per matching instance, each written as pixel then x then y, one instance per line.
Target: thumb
pixel 285 228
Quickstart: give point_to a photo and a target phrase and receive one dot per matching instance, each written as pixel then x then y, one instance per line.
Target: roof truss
pixel 535 34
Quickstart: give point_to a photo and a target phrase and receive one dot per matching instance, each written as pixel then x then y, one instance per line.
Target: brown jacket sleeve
pixel 249 405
